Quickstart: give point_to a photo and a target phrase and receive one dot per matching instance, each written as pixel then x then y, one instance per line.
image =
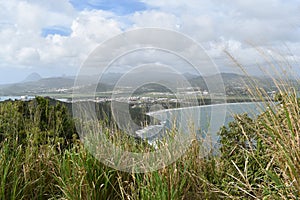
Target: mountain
pixel 234 83
pixel 49 85
pixel 189 76
pixel 33 87
pixel 32 77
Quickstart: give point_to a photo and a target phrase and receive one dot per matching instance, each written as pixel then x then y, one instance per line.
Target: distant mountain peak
pixel 32 77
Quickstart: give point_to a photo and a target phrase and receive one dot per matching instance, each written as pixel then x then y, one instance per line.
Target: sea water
pixel 205 121
pixel 4 98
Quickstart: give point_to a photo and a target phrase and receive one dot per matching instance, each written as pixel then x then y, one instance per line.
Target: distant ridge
pixel 35 84
pixel 32 78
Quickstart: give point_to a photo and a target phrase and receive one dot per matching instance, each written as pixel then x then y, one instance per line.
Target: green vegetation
pixel 41 157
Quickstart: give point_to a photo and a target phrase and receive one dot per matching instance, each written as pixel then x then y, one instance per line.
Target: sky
pixel 54 37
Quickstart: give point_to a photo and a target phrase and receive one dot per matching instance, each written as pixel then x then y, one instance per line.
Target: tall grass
pixel 259 158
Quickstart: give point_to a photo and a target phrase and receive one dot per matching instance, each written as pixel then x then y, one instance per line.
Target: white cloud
pixel 21 24
pixel 89 29
pixel 225 24
pixel 31 16
pixel 28 55
pixel 95 26
pixel 255 20
pixel 22 44
pixel 153 18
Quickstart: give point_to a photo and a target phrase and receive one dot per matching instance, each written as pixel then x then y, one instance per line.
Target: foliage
pixel 42 158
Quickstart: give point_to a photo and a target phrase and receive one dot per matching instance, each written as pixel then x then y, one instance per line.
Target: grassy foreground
pixel 41 157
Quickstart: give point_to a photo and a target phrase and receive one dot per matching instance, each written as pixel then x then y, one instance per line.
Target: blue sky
pixel 55 37
pixel 123 7
pixel 120 7
pixel 59 30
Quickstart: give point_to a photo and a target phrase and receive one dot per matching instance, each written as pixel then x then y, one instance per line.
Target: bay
pixel 205 121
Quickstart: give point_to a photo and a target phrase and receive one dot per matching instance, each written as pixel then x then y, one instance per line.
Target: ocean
pixel 26 98
pixel 205 120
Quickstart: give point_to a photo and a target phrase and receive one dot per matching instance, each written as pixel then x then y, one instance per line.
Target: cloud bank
pixel 55 37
